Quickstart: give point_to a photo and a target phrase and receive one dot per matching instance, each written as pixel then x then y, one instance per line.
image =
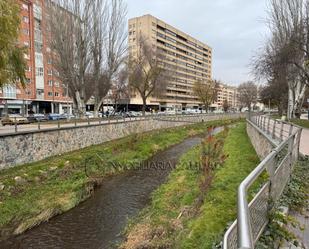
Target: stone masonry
pixel 21 148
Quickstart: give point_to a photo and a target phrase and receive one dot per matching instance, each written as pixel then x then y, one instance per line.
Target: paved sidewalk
pixel 304 142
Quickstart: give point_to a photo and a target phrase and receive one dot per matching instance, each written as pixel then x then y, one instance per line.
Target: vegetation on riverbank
pixel 301 122
pixel 295 197
pixel 33 193
pixel 171 222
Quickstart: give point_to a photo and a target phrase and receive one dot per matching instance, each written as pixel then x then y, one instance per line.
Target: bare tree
pixel 206 92
pixel 69 39
pixel 288 49
pixel 88 39
pixel 248 93
pixel 147 73
pixel 108 46
pixel 225 105
pixel 120 88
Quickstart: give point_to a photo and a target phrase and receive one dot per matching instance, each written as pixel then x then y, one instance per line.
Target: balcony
pixel 38 36
pixel 37 12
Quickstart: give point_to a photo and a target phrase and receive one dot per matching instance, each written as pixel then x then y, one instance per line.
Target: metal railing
pixel 74 122
pixel 252 218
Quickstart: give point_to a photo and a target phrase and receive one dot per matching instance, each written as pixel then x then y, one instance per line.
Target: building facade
pixel 228 93
pixel 43 92
pixel 188 59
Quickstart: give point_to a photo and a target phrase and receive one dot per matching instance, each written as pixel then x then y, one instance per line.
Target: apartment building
pixel 43 92
pixel 188 59
pixel 229 93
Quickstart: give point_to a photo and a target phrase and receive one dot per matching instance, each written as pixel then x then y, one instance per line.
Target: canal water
pixel 98 222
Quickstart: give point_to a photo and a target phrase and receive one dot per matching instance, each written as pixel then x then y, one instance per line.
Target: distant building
pixel 188 59
pixel 43 93
pixel 229 93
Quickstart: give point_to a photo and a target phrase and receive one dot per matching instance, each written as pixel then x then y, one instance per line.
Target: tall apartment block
pixel 43 92
pixel 188 59
pixel 229 93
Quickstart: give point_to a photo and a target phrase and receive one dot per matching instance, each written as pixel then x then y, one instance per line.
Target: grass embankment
pixel 170 221
pixel 33 193
pixel 301 122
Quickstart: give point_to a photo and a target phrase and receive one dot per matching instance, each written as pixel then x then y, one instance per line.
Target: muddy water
pixel 97 223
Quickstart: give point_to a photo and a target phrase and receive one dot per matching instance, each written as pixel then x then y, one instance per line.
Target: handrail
pixel 245 239
pixel 57 125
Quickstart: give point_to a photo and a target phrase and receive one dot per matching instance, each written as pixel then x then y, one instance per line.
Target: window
pixel 191 43
pixel 170 39
pixel 49 61
pixel 26 44
pixel 26 31
pixel 160 35
pixel 39 71
pixel 170 32
pixel 50 72
pixel 25 19
pixel 28 81
pixel 28 92
pixel 50 83
pixel 25 6
pixel 26 56
pixel 38 47
pixel 50 94
pixel 9 92
pixel 56 94
pixel 56 84
pixel 170 46
pixel 28 69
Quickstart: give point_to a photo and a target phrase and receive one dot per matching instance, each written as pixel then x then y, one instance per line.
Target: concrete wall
pixel 260 141
pixel 29 147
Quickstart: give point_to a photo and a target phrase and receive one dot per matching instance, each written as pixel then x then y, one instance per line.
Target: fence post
pixel 298 142
pixel 75 123
pixel 268 124
pixel 291 130
pixel 58 123
pixel 274 128
pixel 290 153
pixel 15 123
pixel 281 131
pixel 88 120
pixel 39 124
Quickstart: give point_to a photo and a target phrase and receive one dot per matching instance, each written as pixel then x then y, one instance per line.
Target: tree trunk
pixel 97 106
pixel 144 106
pixel 206 108
pixel 80 104
pixel 295 100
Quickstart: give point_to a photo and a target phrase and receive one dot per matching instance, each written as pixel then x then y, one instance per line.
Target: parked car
pixel 135 114
pixel 89 115
pixel 37 117
pixel 67 116
pixel 54 116
pixel 13 119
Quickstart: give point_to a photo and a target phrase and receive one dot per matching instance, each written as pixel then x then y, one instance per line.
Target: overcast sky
pixel 235 29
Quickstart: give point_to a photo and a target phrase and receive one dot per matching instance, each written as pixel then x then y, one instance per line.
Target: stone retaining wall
pixel 262 145
pixel 29 147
